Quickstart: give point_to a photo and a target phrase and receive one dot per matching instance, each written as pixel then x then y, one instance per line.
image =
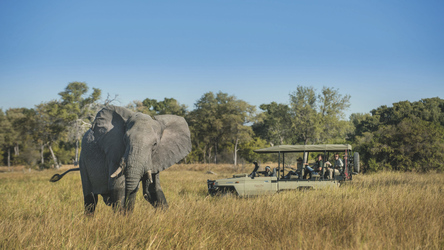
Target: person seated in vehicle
pixel 267 171
pixel 318 166
pixel 335 167
pixel 292 174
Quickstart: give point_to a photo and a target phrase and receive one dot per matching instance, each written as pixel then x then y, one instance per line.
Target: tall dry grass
pixel 379 211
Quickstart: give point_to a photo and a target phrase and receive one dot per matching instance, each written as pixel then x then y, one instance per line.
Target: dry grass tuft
pixel 379 211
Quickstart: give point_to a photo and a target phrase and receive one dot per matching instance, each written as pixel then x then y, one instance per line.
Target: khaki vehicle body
pixel 257 184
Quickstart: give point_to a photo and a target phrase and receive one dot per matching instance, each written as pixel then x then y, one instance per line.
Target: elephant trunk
pixel 136 167
pixel 132 180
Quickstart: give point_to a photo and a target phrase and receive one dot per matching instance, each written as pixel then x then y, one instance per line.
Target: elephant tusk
pixel 150 177
pixel 118 171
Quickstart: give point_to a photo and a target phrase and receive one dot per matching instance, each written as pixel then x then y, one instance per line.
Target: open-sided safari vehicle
pixel 285 177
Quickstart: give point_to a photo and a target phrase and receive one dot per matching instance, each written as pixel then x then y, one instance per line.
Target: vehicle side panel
pixel 260 186
pixel 306 184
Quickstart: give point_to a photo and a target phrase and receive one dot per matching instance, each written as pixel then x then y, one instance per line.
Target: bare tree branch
pixel 109 100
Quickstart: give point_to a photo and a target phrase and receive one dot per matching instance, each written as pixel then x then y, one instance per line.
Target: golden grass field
pixel 378 211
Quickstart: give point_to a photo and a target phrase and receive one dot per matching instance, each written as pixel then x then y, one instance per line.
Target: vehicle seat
pixel 294 176
pixel 315 175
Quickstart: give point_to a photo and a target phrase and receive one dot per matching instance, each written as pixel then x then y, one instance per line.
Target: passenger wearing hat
pixel 268 171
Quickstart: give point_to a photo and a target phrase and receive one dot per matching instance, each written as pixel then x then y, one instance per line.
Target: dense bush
pixel 405 137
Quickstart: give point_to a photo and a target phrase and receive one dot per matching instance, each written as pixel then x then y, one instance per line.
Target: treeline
pixel 408 136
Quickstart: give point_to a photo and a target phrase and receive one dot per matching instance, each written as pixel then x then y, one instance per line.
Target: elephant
pixel 124 148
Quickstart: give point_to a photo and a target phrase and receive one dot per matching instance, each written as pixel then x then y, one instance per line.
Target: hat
pixel 299 159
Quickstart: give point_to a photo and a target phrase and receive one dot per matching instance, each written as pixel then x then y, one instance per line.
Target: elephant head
pixel 139 146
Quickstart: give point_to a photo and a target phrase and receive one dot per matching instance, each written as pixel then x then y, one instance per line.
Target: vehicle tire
pixel 356 162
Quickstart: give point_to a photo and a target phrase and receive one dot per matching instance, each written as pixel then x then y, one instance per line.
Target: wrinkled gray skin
pixel 137 144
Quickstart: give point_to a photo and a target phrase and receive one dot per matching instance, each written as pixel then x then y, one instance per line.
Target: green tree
pixel 78 110
pixel 304 116
pixel 23 124
pixel 12 134
pixel 332 106
pixel 219 122
pixel 51 120
pixel 50 125
pixel 406 136
pixel 247 150
pixel 5 135
pixel 412 144
pixel 362 123
pixel 204 124
pixel 238 113
pixel 429 109
pixel 274 123
pixel 318 118
pixel 169 106
pixel 138 106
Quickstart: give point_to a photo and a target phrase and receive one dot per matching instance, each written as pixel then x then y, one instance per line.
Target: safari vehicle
pixel 285 177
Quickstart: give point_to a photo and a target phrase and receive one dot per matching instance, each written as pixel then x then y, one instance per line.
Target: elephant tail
pixel 57 177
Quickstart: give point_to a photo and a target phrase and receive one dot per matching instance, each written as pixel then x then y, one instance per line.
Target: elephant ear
pixel 109 130
pixel 175 142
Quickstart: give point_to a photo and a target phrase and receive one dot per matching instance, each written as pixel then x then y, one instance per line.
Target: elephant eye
pixel 154 146
pixel 129 125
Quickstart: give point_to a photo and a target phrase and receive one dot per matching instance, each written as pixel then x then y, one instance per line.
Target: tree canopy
pixel 310 118
pixel 219 123
pixel 169 106
pixel 408 136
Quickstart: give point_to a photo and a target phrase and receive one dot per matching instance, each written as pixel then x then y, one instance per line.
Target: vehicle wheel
pixel 356 162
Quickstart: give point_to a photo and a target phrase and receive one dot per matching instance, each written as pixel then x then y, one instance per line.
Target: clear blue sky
pixel 379 52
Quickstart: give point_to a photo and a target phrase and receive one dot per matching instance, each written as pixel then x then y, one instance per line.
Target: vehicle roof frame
pixel 305 148
pixel 347 148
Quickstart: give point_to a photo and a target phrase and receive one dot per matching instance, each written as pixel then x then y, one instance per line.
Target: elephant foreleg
pixel 117 194
pixel 152 191
pixel 90 203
